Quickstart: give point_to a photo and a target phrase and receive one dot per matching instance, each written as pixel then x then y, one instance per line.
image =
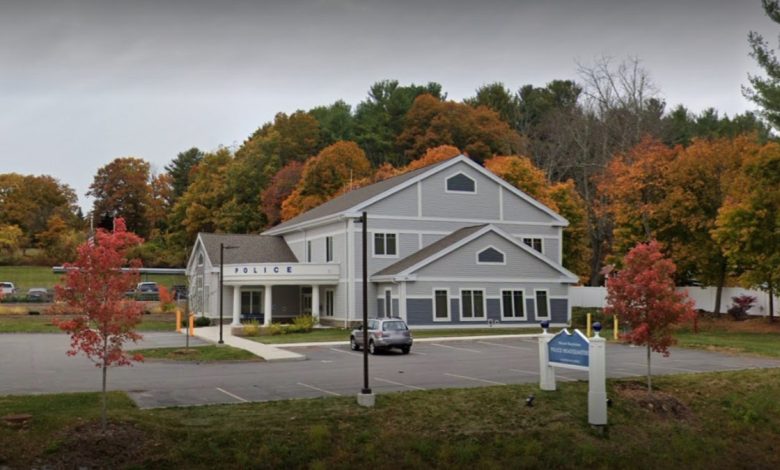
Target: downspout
pixel 348 262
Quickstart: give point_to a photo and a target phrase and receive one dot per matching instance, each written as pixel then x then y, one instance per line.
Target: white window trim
pixel 447 178
pixel 332 304
pixel 495 263
pixel 536 306
pixel 329 243
pixel 532 238
pixel 524 316
pixel 449 309
pixel 484 304
pixel 373 243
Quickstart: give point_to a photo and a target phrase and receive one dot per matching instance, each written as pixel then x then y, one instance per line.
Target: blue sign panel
pixel 569 349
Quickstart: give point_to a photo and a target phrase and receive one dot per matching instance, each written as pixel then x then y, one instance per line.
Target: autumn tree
pixel 121 188
pixel 480 132
pixel 59 241
pixel 325 175
pixel 282 185
pixel 748 224
pixel 431 156
pixel 563 198
pixel 497 97
pixel 335 122
pixel 381 117
pixel 95 285
pixel 10 239
pixel 643 294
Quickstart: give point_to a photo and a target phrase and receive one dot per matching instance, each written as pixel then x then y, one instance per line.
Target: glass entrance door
pixel 251 302
pixel 306 300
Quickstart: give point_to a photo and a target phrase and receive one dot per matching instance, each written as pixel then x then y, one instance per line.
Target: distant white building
pixel 450 244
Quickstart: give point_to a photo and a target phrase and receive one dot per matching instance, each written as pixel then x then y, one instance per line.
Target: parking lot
pixel 38 364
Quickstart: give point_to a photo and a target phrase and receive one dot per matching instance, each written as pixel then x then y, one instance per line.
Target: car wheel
pixel 406 349
pixel 371 347
pixel 353 344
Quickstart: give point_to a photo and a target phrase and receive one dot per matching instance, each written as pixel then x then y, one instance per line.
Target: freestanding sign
pixel 576 351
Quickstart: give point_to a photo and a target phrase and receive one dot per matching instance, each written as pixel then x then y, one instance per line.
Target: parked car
pixel 383 333
pixel 37 294
pixel 147 287
pixel 7 288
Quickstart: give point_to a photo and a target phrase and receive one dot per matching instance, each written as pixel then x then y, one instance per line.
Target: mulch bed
pixel 86 446
pixel 659 403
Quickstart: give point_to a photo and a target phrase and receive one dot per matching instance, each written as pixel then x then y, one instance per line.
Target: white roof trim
pixel 198 242
pixel 570 277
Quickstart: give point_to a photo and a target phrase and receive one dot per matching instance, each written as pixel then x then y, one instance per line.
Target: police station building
pixel 450 244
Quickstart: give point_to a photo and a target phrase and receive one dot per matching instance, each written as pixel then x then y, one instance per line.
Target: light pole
pixel 222 249
pixel 366 391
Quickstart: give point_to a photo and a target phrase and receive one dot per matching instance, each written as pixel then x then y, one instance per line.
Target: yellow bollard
pixel 588 329
pixel 178 320
pixel 616 327
pixel 192 325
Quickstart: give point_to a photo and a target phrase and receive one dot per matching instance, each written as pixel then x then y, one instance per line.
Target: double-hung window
pixel 385 244
pixel 542 304
pixel 328 249
pixel 472 304
pixel 441 304
pixel 512 306
pixel 535 243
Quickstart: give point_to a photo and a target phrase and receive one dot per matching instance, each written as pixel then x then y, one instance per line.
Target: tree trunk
pixel 103 420
pixel 649 376
pixel 719 290
pixel 771 303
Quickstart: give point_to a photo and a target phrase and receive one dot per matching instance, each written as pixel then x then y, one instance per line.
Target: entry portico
pixel 261 278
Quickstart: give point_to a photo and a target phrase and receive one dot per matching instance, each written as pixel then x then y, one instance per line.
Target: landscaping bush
pixel 252 328
pixel 301 324
pixel 277 329
pixel 739 309
pixel 202 321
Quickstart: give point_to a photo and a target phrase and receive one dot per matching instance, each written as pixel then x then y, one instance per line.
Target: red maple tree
pixel 643 293
pixel 95 285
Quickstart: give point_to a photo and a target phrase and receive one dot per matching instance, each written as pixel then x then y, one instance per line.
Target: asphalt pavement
pixel 36 363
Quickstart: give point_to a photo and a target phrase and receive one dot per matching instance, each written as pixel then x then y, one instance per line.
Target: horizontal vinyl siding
pixel 516 209
pixel 403 202
pixel 436 202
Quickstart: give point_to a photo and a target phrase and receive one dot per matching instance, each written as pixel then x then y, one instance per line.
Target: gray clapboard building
pixel 450 244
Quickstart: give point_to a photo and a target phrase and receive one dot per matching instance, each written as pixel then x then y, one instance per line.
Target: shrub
pixel 252 328
pixel 277 329
pixel 739 309
pixel 166 300
pixel 301 324
pixel 202 321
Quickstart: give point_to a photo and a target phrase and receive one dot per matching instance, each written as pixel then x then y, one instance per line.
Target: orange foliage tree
pixel 480 132
pixel 563 198
pixel 282 185
pixel 325 175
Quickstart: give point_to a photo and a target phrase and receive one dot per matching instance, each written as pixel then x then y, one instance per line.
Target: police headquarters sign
pixel 569 350
pixel 263 270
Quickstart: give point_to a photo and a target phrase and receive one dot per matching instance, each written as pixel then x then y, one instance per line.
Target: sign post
pixel 576 351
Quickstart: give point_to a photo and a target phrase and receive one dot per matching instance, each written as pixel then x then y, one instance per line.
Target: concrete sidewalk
pixel 267 352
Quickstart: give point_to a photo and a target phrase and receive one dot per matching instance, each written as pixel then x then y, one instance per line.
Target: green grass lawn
pixel 198 354
pixel 43 323
pixel 342 334
pixel 25 277
pixel 764 344
pixel 720 420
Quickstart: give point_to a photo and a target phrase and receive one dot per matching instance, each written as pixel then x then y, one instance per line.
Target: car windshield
pixel 393 326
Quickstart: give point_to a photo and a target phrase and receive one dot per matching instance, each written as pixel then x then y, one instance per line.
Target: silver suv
pixel 383 333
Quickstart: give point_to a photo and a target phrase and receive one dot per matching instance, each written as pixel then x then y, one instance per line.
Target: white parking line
pixel 319 389
pixel 504 345
pixel 233 395
pixel 453 347
pixel 352 353
pixel 527 372
pixel 475 379
pixel 413 387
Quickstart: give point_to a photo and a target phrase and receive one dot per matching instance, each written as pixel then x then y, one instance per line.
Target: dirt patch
pixel 658 402
pixel 86 446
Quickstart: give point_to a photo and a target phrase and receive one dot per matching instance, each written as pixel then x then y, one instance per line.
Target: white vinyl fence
pixel 704 297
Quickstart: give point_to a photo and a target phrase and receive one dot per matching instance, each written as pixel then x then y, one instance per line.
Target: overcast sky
pixel 84 82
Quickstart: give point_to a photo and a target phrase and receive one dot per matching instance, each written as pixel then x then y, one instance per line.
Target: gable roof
pixel 455 240
pixel 356 200
pixel 249 248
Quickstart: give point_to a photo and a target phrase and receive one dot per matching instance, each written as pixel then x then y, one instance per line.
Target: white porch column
pixel 315 303
pixel 268 301
pixel 236 306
